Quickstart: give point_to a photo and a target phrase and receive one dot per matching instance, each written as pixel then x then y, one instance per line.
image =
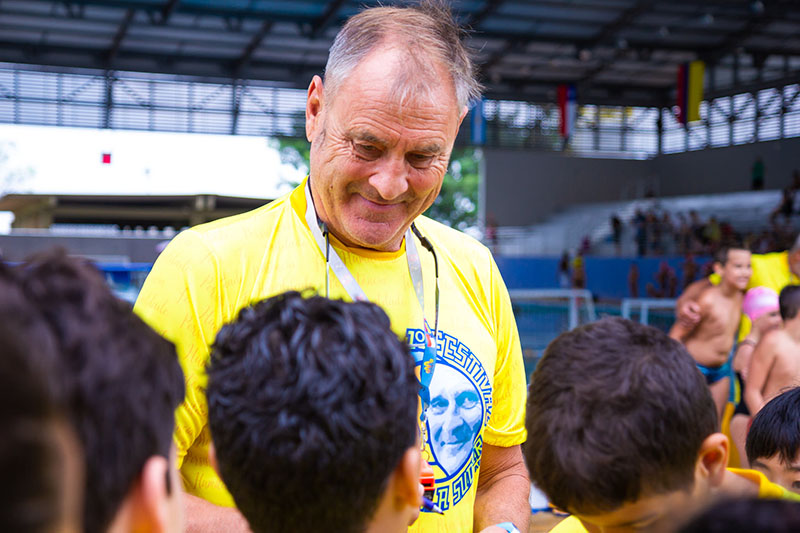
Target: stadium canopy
pixel 617 52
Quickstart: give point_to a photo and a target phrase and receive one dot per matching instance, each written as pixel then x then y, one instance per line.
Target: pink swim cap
pixel 759 300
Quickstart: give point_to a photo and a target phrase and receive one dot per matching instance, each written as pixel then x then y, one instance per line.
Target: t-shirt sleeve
pixel 180 299
pixel 507 423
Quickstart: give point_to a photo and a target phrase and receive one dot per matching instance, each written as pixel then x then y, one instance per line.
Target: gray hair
pixel 423 31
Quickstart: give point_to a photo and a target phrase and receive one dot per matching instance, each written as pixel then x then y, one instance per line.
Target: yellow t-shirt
pixel 208 273
pixel 769 270
pixel 767 490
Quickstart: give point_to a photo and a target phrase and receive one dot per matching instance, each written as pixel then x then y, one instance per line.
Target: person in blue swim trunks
pixel 710 341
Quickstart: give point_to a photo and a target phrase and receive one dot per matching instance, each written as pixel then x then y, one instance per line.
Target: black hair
pixel 789 301
pixel 312 404
pixel 122 380
pixel 721 255
pixel 747 516
pixel 615 409
pixel 776 429
pixel 31 454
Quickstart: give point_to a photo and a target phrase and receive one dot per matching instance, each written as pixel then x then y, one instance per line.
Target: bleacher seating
pixel 746 211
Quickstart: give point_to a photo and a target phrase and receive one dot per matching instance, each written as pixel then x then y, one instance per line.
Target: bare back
pixel 711 341
pixel 784 371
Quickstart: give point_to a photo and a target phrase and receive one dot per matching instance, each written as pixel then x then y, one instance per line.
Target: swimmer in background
pixel 761 307
pixel 711 340
pixel 775 365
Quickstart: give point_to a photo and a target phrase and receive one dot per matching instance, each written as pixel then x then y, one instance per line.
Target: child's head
pixel 746 516
pixel 773 443
pixel 312 406
pixel 789 301
pixel 732 264
pixel 762 308
pixel 622 427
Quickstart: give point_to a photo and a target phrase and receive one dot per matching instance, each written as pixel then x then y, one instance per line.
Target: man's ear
pixel 463 114
pixel 315 102
pixel 151 496
pixel 712 459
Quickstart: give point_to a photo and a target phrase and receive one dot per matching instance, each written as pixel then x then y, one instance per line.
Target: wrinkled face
pixel 737 270
pixel 455 416
pixel 378 160
pixel 787 475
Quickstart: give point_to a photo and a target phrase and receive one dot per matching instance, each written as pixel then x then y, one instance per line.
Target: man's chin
pixel 375 236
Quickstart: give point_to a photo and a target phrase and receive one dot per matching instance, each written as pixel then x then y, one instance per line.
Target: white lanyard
pixel 356 293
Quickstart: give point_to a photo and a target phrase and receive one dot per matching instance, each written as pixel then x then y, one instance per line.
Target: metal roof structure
pixel 618 52
pixel 143 211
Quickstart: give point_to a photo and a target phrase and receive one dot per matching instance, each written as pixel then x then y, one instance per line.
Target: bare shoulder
pixel 710 298
pixel 708 294
pixel 773 340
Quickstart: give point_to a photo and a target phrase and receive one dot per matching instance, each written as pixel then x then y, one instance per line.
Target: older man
pixel 382 126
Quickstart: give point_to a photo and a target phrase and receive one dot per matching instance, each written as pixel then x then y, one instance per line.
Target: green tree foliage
pixel 457 203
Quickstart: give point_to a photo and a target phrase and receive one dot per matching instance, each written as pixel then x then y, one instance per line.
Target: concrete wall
pixel 727 169
pixel 524 188
pixel 527 187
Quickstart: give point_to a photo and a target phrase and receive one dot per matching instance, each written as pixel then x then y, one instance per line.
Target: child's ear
pixel 718 268
pixel 212 458
pixel 712 459
pixel 151 496
pixel 407 475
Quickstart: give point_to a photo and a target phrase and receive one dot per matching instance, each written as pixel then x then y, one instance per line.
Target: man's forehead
pixel 422 145
pixel 404 75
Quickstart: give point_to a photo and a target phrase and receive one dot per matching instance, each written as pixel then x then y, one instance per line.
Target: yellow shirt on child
pixel 767 490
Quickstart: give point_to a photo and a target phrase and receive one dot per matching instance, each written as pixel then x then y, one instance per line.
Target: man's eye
pixel 367 150
pixel 420 159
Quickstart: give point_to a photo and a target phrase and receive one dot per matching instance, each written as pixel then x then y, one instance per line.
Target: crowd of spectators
pixel 658 232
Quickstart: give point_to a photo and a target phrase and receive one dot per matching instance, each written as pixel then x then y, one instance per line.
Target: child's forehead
pixel 777 462
pixel 643 514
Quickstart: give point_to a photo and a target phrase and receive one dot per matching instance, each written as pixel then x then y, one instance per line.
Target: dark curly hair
pixel 312 404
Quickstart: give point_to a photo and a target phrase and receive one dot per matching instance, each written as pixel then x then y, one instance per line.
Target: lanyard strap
pixel 351 286
pixel 356 293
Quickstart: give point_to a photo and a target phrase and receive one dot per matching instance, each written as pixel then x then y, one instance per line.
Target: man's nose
pixel 391 179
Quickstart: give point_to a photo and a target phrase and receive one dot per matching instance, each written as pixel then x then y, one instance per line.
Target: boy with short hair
pixel 773 443
pixel 775 364
pixel 711 340
pixel 622 432
pixel 762 308
pixel 749 515
pixel 121 385
pixel 41 463
pixel 312 406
